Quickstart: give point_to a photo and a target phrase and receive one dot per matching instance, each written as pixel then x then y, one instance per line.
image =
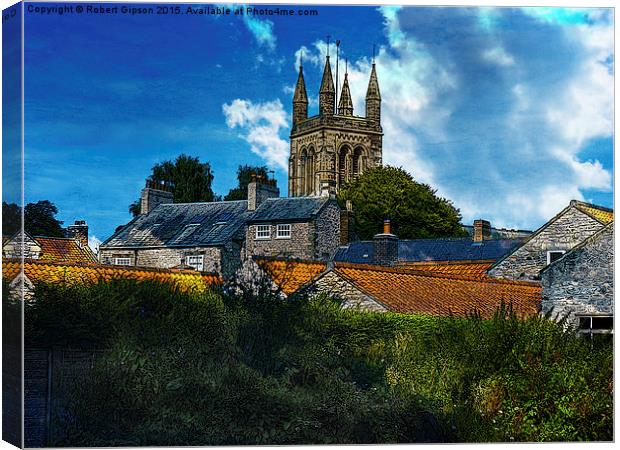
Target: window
pixel 554 255
pixel 283 231
pixel 122 261
pixel 195 261
pixel 263 232
pixel 596 324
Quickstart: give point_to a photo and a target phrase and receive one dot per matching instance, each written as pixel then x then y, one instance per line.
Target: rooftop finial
pixel 346 66
pixel 328 37
pixel 373 53
pixel 301 58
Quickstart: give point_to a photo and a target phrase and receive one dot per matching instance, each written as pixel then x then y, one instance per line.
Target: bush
pixel 235 367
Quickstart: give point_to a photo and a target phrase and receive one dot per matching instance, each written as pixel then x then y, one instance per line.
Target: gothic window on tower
pixel 342 166
pixel 303 162
pixel 357 163
pixel 309 175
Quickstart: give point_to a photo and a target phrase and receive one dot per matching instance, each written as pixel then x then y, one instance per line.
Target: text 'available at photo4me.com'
pixel 170 9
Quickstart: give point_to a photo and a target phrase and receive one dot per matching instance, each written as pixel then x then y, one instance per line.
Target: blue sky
pixel 507 112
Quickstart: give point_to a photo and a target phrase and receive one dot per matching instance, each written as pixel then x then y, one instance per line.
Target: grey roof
pixel 288 209
pixel 183 225
pixel 362 252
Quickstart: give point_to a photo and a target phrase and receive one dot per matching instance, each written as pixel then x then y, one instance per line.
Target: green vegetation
pixel 39 219
pixel 244 177
pixel 229 367
pixel 414 209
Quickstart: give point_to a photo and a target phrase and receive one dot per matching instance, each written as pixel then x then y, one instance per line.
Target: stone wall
pixel 299 245
pixel 582 282
pixel 13 248
pixel 337 287
pixel 563 233
pixel 328 231
pixel 165 258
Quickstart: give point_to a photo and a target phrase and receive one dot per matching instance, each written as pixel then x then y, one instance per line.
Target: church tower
pixel 334 147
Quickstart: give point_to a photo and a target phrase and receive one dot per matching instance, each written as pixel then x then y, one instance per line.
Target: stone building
pixel 217 236
pixel 567 229
pixel 73 250
pixel 580 284
pixel 335 146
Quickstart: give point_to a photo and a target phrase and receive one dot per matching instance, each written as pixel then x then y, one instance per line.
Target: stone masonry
pixel 582 282
pixel 565 231
pixel 337 287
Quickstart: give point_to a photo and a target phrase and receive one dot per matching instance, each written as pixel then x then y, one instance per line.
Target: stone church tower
pixel 335 147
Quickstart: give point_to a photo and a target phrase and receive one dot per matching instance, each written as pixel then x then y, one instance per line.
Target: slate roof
pixel 415 250
pixel 60 273
pixel 441 295
pixel 183 225
pixel 289 209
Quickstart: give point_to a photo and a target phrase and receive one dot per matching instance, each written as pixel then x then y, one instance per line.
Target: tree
pixel 39 219
pixel 414 209
pixel 244 176
pixel 191 180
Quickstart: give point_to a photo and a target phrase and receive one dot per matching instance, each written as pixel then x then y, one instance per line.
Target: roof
pixel 461 249
pixel 476 269
pixel 600 213
pixel 441 295
pixel 289 209
pixel 67 250
pixel 49 272
pixel 183 225
pixel 291 275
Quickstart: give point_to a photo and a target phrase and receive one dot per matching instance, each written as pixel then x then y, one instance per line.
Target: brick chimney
pixel 482 230
pixel 155 194
pixel 385 246
pixel 259 190
pixel 79 232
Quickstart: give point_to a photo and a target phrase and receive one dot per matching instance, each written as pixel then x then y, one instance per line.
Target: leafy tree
pixel 39 219
pixel 191 180
pixel 244 176
pixel 414 209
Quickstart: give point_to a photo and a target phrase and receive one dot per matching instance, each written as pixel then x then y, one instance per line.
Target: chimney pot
pixel 387 228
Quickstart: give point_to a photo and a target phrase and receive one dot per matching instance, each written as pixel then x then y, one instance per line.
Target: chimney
pixel 386 246
pixel 155 194
pixel 79 232
pixel 482 230
pixel 259 190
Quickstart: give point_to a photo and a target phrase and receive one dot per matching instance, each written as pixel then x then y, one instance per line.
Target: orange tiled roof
pixel 474 269
pixel 49 272
pixel 290 275
pixel 436 294
pixel 66 250
pixel 603 215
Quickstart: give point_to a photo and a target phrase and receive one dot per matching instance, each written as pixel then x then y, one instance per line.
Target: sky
pixel 508 112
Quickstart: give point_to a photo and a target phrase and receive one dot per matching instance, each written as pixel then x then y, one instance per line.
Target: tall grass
pixel 233 367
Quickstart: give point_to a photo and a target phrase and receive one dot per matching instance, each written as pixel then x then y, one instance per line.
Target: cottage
pixel 567 229
pixel 580 284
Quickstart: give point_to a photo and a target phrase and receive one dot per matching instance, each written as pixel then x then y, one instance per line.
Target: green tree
pixel 244 176
pixel 191 180
pixel 414 209
pixel 39 219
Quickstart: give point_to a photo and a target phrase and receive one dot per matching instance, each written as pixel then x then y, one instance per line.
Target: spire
pixel 300 95
pixel 327 93
pixel 373 97
pixel 300 98
pixel 345 107
pixel 373 85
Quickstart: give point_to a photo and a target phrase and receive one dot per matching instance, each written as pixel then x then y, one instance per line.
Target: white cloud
pixel 94 242
pixel 262 30
pixel 498 55
pixel 262 124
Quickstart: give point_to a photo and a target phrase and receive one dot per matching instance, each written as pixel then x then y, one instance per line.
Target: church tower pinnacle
pixel 300 98
pixel 373 97
pixel 345 107
pixel 327 93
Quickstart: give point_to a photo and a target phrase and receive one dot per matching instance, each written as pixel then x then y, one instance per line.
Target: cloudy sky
pixel 507 112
